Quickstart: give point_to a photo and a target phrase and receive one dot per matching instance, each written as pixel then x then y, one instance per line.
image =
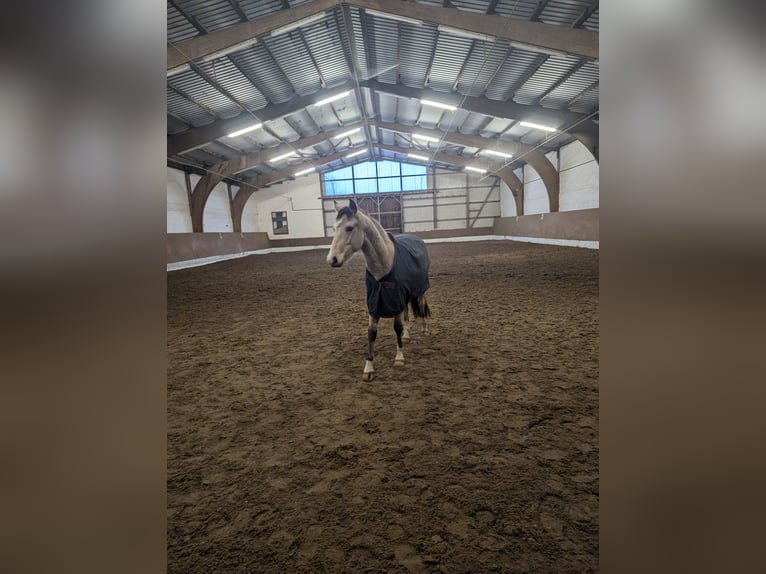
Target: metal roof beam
pixel 532 156
pixel 198 137
pixel 576 41
pixel 586 130
pixel 181 52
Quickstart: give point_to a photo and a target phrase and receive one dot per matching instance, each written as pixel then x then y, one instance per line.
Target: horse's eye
pixel 349 229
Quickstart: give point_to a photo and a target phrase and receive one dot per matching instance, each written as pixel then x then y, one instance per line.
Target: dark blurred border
pixel 683 314
pixel 82 287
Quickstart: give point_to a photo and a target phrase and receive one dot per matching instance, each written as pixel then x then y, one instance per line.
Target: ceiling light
pixel 538 49
pixel 332 98
pixel 394 17
pixel 298 24
pixel 178 70
pixel 538 126
pixel 348 133
pixel 420 157
pixel 230 50
pixel 438 105
pixel 466 34
pixel 284 156
pixel 423 137
pixel 476 169
pixel 304 171
pixel 244 130
pixel 356 153
pixel 497 153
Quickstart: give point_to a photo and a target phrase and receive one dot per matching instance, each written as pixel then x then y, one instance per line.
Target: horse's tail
pixel 420 307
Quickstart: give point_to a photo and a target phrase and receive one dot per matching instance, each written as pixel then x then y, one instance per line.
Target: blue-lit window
pixel 376 177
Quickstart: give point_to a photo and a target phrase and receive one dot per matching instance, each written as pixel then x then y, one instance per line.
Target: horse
pixel 397 275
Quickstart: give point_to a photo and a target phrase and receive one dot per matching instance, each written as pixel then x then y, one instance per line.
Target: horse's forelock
pixel 345 211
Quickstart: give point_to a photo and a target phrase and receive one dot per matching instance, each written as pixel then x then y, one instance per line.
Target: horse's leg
pixel 425 312
pixel 372 334
pixel 406 332
pixel 399 329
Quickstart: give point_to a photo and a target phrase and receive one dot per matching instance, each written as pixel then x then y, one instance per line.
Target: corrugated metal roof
pixel 179 27
pixel 385 45
pixel 294 60
pixel 323 38
pixel 516 66
pixel 187 110
pixel 551 71
pixel 563 12
pixel 483 62
pixel 449 51
pixel 276 69
pixel 265 73
pixel 256 8
pixel 564 93
pixel 587 103
pixel 211 14
pixel 417 47
pixel 235 82
pixel 194 86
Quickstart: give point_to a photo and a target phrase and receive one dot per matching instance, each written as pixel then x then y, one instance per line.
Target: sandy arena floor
pixel 480 455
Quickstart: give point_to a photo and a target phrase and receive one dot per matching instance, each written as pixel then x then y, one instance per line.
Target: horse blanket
pixel 406 281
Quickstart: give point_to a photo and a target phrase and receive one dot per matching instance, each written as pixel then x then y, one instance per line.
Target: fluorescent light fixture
pixel 420 157
pixel 356 153
pixel 332 98
pixel 497 153
pixel 284 156
pixel 304 171
pixel 298 24
pixel 178 70
pixel 438 105
pixel 244 130
pixel 538 126
pixel 230 50
pixel 476 169
pixel 348 133
pixel 538 49
pixel 394 17
pixel 423 137
pixel 466 34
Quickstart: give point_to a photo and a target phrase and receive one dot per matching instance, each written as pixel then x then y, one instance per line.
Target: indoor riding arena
pixel 305 137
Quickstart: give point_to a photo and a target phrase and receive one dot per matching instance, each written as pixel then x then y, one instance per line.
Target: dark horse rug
pixel 407 280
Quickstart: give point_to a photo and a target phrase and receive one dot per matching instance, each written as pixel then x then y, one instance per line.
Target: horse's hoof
pixel 367 377
pixel 399 363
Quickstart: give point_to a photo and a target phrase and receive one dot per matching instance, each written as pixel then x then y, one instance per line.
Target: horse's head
pixel 348 237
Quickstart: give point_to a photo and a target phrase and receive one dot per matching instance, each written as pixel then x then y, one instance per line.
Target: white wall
pixel 299 198
pixel 535 193
pixel 178 214
pixel 217 216
pixel 579 178
pixel 507 201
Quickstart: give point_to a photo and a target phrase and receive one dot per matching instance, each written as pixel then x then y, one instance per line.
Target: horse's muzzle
pixel 335 263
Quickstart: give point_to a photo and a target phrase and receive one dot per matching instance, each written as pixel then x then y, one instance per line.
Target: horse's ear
pixel 352 205
pixel 337 206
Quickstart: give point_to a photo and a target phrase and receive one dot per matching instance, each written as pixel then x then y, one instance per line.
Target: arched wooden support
pixel 238 206
pixel 515 185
